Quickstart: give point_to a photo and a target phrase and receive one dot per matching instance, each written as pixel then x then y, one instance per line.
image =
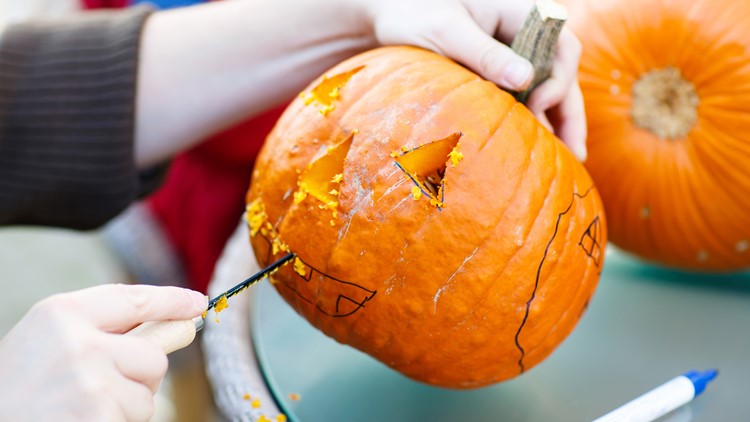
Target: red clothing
pixel 203 197
pixel 104 4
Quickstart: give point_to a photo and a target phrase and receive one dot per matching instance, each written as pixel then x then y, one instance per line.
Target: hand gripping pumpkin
pixel 667 91
pixel 437 225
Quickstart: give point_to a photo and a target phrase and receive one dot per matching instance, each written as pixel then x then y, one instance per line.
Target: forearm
pixel 204 68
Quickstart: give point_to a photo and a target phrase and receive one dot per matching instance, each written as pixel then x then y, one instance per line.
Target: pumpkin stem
pixel 536 41
pixel 665 104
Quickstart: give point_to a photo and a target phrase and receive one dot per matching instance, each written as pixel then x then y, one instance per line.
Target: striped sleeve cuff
pixel 67 97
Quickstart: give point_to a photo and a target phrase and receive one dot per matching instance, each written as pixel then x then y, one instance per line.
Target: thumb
pixel 120 307
pixel 491 59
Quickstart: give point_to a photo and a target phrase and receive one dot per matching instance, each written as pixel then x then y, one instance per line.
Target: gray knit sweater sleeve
pixel 67 97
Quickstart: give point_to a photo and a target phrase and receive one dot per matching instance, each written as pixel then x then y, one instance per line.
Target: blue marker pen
pixel 663 399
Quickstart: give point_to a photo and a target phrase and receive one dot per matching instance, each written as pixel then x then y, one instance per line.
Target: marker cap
pixel 701 379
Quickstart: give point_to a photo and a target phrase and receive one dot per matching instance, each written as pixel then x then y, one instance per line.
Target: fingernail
pixel 518 73
pixel 200 300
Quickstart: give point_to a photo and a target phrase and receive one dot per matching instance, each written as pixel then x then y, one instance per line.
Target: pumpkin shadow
pixel 641 271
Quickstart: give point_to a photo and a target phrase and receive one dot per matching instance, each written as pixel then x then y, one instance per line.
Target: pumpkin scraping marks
pixel 448 282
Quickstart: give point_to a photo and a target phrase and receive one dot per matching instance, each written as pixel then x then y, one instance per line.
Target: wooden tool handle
pixel 536 41
pixel 170 335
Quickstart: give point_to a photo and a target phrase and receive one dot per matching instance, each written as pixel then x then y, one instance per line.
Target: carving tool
pixel 174 335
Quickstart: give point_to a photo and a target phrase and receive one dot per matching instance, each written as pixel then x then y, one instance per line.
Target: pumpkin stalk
pixel 537 40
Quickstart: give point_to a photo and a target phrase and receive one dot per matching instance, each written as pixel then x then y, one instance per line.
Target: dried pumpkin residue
pixel 299 267
pixel 328 91
pixel 221 304
pixel 456 155
pixel 416 192
pixel 257 220
pixel 300 195
pixel 255 213
pixel 426 164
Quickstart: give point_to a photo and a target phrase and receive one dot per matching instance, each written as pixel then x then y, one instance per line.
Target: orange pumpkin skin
pixel 461 294
pixel 682 200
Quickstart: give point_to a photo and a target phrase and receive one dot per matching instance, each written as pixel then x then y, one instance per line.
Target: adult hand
pixel 66 360
pixel 477 33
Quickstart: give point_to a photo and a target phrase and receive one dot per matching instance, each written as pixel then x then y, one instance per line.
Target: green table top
pixel 644 326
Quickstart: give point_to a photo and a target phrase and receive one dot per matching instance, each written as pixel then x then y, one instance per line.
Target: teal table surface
pixel 644 326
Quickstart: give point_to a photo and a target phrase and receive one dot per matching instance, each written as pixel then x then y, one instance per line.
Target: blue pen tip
pixel 701 379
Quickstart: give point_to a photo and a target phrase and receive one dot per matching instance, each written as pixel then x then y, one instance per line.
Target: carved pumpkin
pixel 667 91
pixel 437 225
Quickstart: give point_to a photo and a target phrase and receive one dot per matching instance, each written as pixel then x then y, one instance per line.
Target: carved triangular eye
pixel 329 90
pixel 426 164
pixel 322 177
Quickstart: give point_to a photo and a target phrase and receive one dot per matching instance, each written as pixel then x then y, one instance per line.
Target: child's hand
pixel 468 32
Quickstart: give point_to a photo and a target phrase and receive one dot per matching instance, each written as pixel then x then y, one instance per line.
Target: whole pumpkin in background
pixel 667 90
pixel 437 225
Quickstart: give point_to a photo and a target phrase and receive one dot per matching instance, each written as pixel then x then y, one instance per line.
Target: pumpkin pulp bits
pixel 219 303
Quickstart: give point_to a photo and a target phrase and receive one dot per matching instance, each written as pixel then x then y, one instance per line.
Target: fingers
pixel 559 98
pixel 564 73
pixel 512 15
pixel 135 400
pixel 138 359
pixel 557 102
pixel 118 307
pixel 494 61
pixel 569 121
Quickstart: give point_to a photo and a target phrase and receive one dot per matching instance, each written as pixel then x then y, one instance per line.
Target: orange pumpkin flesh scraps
pixel 472 282
pixel 667 92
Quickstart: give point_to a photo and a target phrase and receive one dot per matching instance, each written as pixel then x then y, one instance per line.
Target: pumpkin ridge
pixel 451 284
pixel 498 275
pixel 351 108
pixel 502 119
pixel 700 174
pixel 490 233
pixel 727 181
pixel 682 190
pixel 580 287
pixel 715 163
pixel 539 272
pixel 579 290
pixel 471 78
pixel 511 202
